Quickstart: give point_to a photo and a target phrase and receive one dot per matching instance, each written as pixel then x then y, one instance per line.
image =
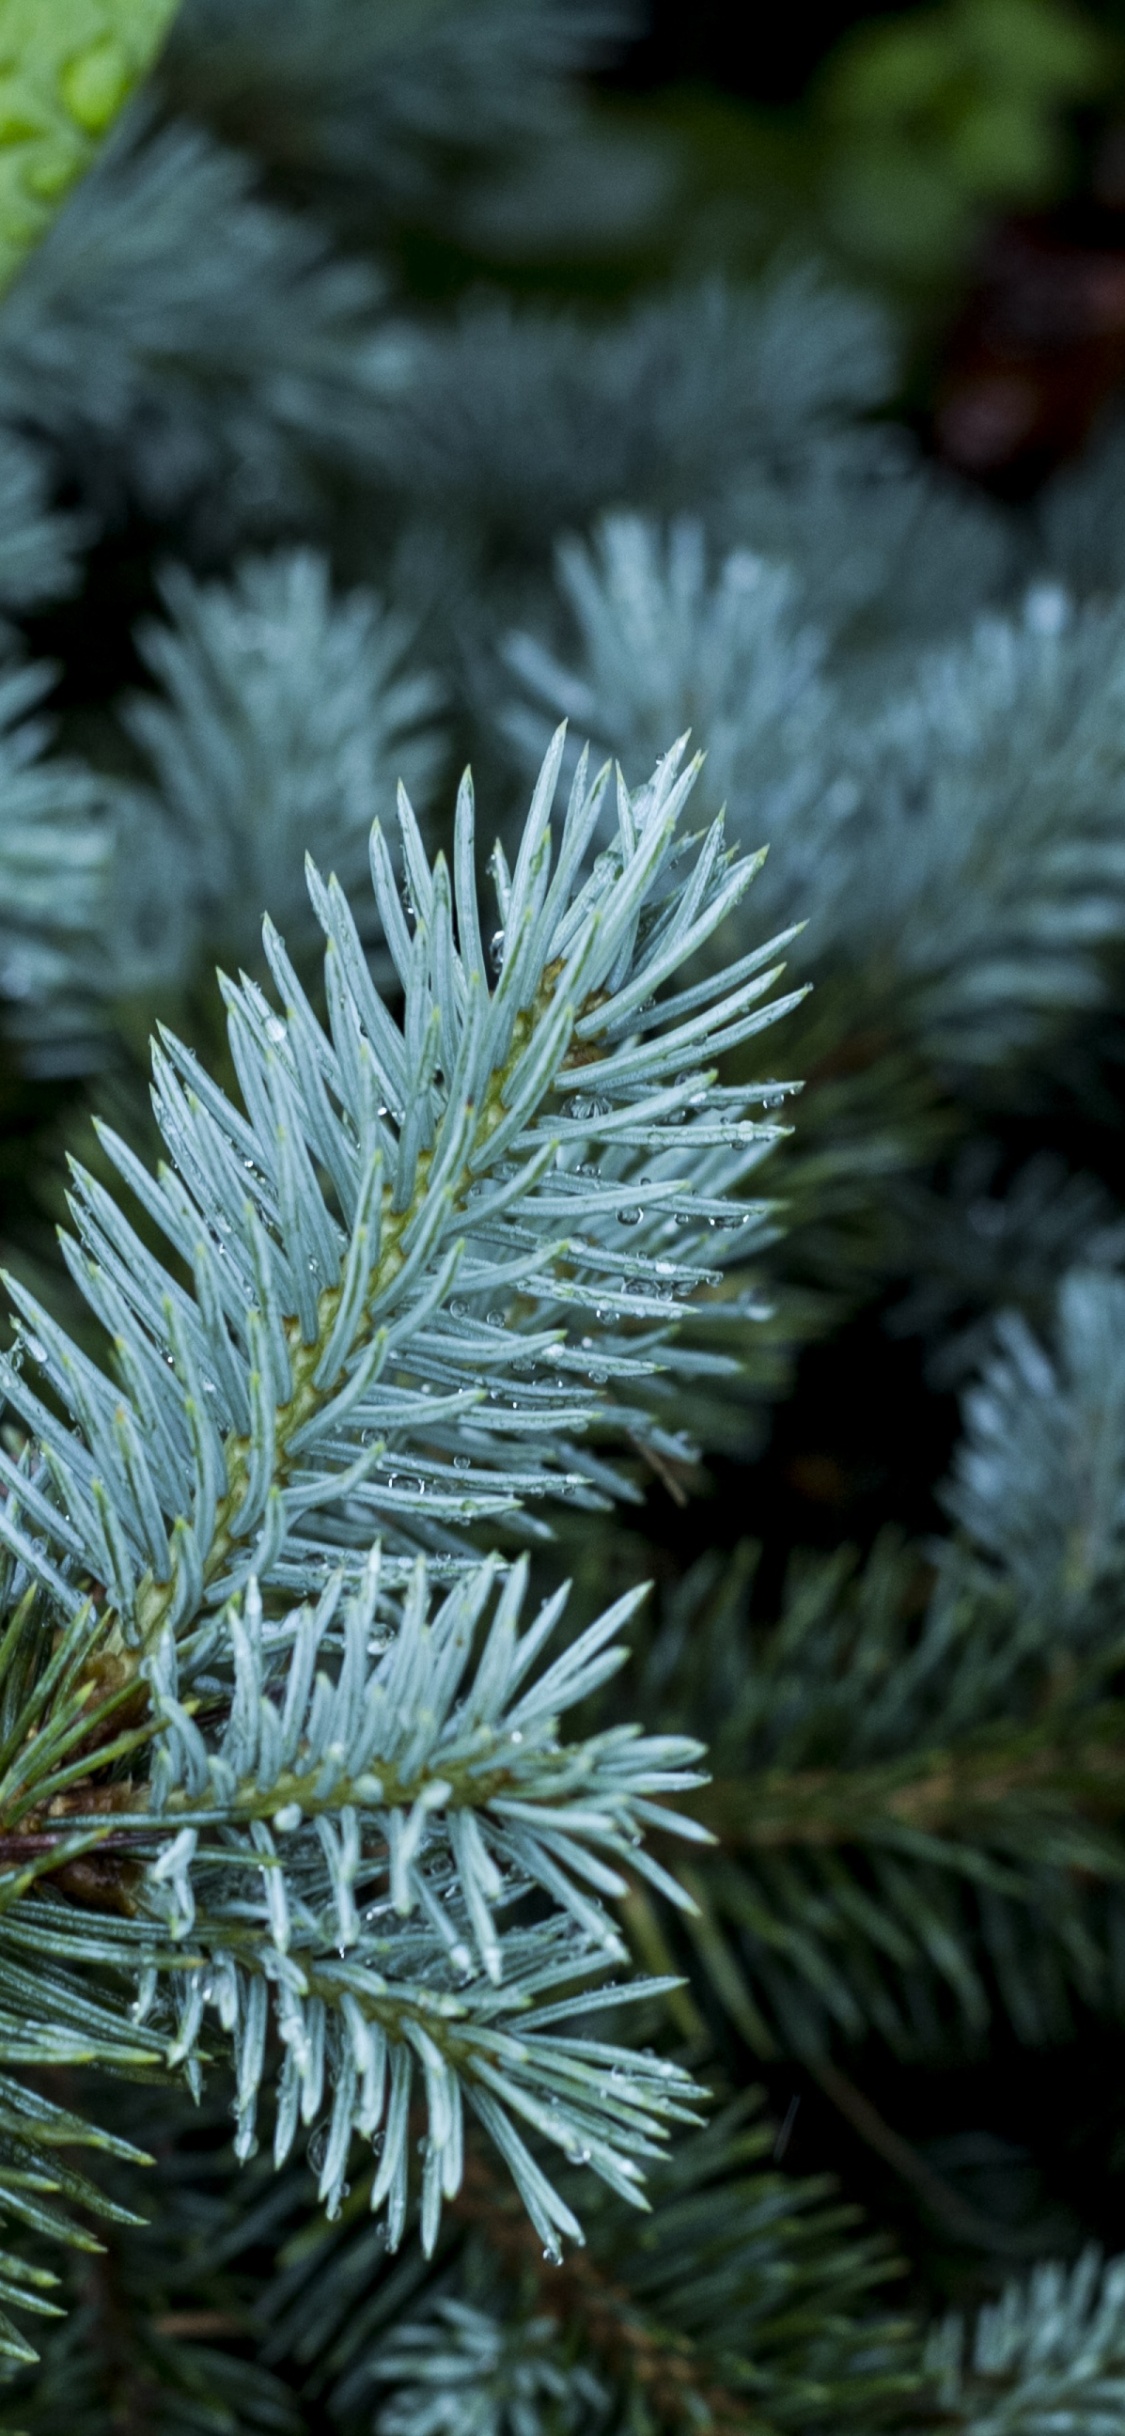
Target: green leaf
pixel 66 68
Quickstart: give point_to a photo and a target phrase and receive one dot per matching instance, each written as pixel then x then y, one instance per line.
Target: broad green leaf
pixel 66 68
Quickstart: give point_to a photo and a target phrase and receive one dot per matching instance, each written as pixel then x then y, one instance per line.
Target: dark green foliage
pixel 906 1783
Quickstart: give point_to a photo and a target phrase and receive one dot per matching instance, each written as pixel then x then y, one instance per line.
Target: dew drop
pixel 462 1463
pixel 496 951
pixel 630 1217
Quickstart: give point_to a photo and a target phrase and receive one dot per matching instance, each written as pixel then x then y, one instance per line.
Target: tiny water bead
pixel 496 951
pixel 630 1215
pixel 317 2149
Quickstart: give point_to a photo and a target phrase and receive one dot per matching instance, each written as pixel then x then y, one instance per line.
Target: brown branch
pixel 106 1876
pixel 948 1793
pixel 670 1475
pixel 189 2323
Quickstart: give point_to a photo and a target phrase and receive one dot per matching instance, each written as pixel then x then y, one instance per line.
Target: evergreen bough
pixel 223 1551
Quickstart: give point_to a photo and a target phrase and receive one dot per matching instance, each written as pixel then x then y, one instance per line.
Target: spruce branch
pixel 377 102
pixel 283 718
pixel 916 1806
pixel 348 1235
pixel 1039 1476
pixel 1003 1786
pixel 524 423
pixel 177 339
pixel 354 1842
pixel 1049 2354
pixel 353 1855
pixel 954 844
pixel 740 2309
pixel 335 1817
pixel 56 838
pixel 38 542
